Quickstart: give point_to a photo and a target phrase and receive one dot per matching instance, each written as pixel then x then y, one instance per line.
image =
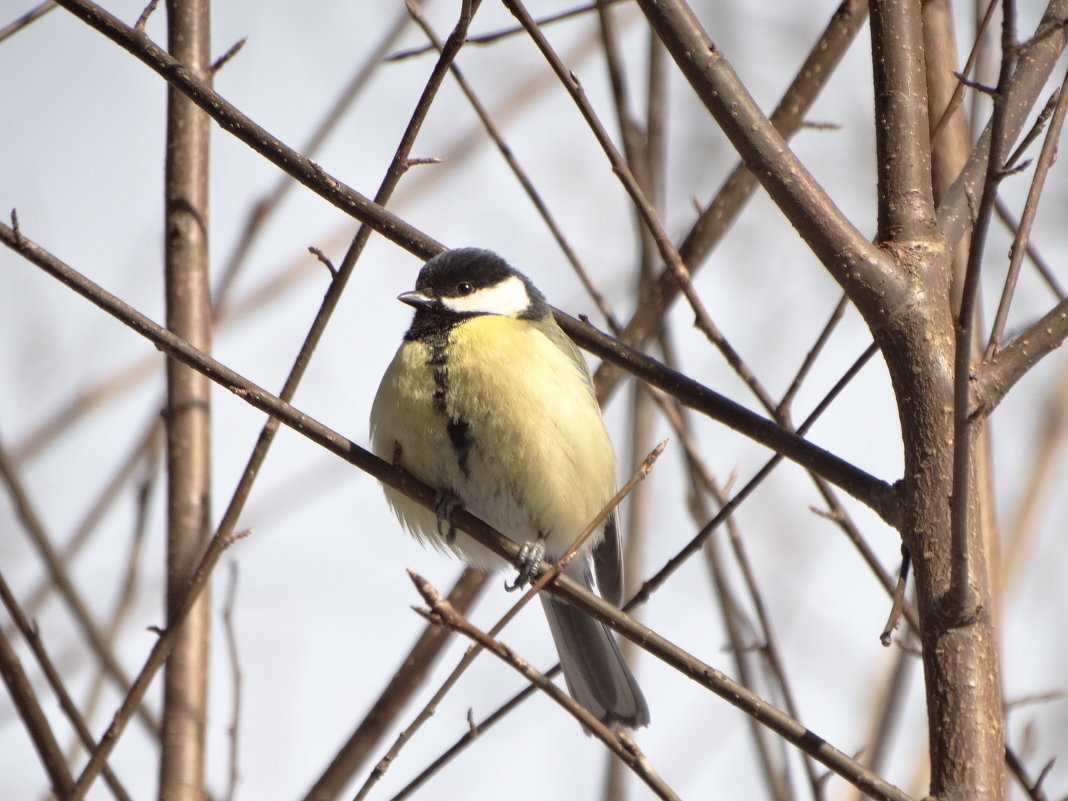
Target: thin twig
pixel 92 518
pixel 1040 264
pixel 127 593
pixel 646 211
pixel 222 60
pixel 489 38
pixel 262 209
pixel 962 597
pixel 722 210
pixel 31 523
pixel 782 410
pixel 20 690
pixel 30 16
pixel 66 703
pixel 879 496
pixel 236 683
pixel 956 211
pixel 621 745
pixel 958 92
pixel 409 677
pixel 868 274
pixel 297 165
pixel 1032 788
pixel 520 174
pixel 1019 244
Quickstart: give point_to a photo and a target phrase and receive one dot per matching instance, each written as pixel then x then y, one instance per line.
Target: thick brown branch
pixel 717 217
pixel 903 153
pixel 997 376
pixel 877 494
pixel 867 274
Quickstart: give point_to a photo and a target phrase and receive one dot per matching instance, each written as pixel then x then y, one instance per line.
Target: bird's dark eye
pixel 464 288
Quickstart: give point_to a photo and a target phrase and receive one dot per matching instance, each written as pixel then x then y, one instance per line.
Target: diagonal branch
pixel 879 495
pixel 705 675
pixel 29 709
pixel 995 377
pixel 406 681
pixel 301 168
pixel 1046 157
pixel 33 638
pixel 442 613
pixel 728 202
pixel 1037 58
pixel 867 274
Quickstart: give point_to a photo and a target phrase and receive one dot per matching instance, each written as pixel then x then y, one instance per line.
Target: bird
pixel 491 404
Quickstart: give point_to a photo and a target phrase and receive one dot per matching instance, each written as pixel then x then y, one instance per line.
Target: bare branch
pixel 63 583
pixel 70 709
pixel 955 215
pixel 963 598
pixel 262 209
pixel 29 708
pixel 409 678
pixel 867 274
pixel 1023 232
pixel 903 153
pixel 226 115
pixel 441 611
pixel 236 682
pixel 187 416
pixel 995 377
pixel 717 217
pixel 515 30
pixel 877 494
pixel 30 16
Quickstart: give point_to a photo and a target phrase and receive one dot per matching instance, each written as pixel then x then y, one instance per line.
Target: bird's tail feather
pixel 596 675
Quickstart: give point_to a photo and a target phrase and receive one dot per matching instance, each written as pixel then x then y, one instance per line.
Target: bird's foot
pixel 445 503
pixel 530 556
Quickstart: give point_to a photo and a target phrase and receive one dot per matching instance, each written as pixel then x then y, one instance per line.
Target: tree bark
pixel 188 419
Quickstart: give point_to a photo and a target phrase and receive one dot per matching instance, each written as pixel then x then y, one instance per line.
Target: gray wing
pixel 608 562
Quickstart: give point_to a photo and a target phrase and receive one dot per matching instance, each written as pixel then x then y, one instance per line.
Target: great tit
pixel 489 402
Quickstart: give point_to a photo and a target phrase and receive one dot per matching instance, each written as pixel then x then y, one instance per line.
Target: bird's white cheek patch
pixel 506 298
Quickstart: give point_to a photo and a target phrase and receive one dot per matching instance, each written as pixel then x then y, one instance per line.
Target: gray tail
pixel 596 675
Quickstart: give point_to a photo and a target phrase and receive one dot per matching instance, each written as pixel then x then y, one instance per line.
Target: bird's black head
pixel 467 282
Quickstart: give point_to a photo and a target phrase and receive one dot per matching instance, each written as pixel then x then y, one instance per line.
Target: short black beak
pixel 415 299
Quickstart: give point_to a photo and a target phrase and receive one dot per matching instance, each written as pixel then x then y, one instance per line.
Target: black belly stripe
pixel 458 429
pixel 460 436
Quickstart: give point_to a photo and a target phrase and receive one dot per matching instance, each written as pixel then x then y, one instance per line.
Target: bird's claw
pixel 445 504
pixel 530 556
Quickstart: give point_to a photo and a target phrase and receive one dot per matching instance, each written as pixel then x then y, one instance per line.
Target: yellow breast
pixel 505 420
